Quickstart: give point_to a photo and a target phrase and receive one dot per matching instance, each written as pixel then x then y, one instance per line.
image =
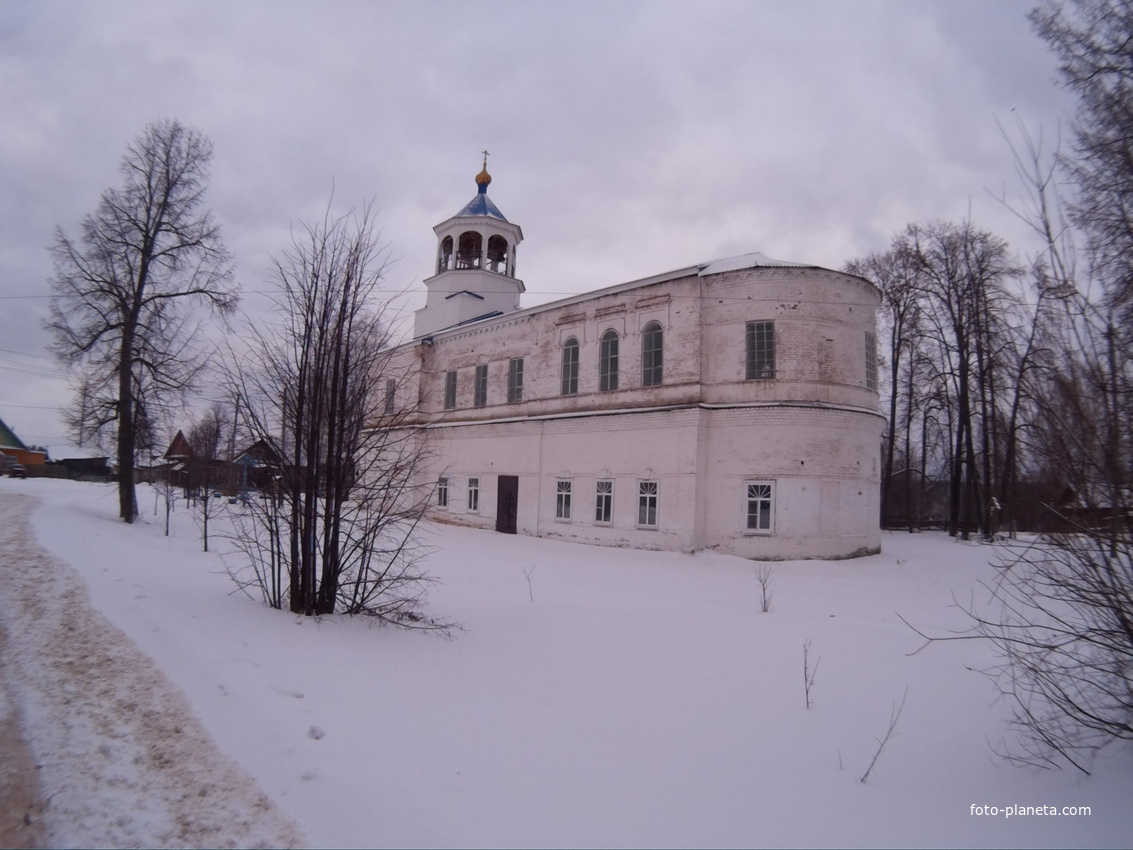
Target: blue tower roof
pixel 482 204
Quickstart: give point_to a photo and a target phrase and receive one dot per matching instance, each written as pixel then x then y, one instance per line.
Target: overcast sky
pixel 626 138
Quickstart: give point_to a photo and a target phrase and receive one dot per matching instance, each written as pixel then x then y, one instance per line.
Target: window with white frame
pixel 480 386
pixel 474 494
pixel 608 361
pixel 570 367
pixel 647 504
pixel 604 502
pixel 759 506
pixel 450 390
pixel 651 343
pixel 442 492
pixel 515 380
pixel 562 499
pixel 760 350
pixel 870 361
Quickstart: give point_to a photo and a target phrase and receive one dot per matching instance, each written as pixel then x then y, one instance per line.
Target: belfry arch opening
pixel 469 250
pixel 497 255
pixel 444 255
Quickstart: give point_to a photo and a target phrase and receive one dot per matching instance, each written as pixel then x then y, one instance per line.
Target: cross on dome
pixel 484 178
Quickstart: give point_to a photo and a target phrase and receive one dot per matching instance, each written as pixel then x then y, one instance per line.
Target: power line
pixel 24 354
pixel 26 369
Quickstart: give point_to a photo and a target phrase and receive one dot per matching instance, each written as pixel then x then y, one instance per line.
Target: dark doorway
pixel 507 503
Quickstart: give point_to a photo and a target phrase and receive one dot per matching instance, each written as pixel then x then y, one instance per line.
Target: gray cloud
pixel 626 138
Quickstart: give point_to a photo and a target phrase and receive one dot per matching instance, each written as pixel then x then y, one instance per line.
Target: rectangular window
pixel 442 492
pixel 871 361
pixel 474 494
pixel 760 504
pixel 562 500
pixel 604 505
pixel 480 387
pixel 760 350
pixel 647 504
pixel 515 380
pixel 391 390
pixel 450 390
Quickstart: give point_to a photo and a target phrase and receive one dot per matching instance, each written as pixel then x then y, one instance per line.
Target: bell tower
pixel 474 276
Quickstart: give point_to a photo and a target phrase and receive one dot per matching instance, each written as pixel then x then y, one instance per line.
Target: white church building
pixel 728 405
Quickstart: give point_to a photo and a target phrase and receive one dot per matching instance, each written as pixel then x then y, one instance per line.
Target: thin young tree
pixel 324 390
pixel 206 436
pixel 125 292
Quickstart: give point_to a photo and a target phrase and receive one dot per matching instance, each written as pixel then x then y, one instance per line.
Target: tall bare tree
pixel 952 352
pixel 125 293
pixel 895 273
pixel 325 393
pixel 963 271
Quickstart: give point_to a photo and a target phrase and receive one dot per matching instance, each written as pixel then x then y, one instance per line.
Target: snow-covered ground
pixel 593 697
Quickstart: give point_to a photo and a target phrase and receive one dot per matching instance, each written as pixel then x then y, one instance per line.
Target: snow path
pixel 123 760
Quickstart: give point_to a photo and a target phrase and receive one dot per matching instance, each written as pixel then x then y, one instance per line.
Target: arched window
pixel 570 367
pixel 444 257
pixel 608 361
pixel 651 339
pixel 468 251
pixel 497 254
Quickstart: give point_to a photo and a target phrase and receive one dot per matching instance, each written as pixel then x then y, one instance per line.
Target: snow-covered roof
pixel 754 260
pixel 71 453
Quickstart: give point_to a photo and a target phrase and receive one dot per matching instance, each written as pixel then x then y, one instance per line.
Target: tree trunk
pixel 127 497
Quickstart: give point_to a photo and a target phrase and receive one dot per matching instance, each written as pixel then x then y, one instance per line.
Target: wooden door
pixel 507 503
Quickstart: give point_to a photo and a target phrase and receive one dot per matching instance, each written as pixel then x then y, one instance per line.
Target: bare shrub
pixel 764 574
pixel 808 672
pixel 894 719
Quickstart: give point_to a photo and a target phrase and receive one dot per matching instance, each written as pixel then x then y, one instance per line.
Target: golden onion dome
pixel 484 178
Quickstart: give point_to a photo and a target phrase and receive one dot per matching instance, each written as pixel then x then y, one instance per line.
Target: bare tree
pixel 326 395
pixel 1065 639
pixel 1091 38
pixel 206 437
pixel 124 293
pixel 962 272
pixel 1060 613
pixel 1088 435
pixel 895 274
pixel 952 352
